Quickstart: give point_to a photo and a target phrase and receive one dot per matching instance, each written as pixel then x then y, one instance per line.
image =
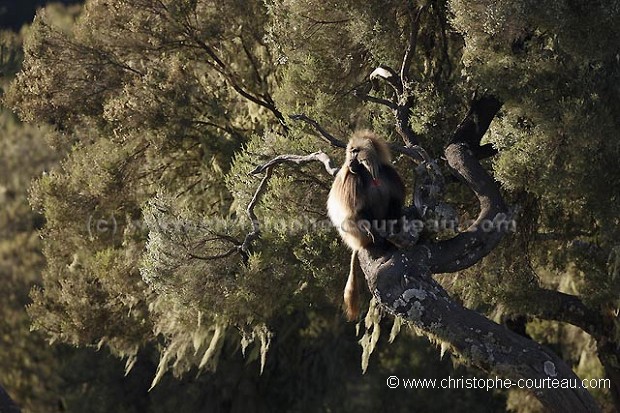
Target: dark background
pixel 14 13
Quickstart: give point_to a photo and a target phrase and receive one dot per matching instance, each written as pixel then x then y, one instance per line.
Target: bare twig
pixel 380 101
pixel 411 45
pixel 319 156
pixel 255 233
pixel 245 247
pixel 327 137
pixel 415 152
pixel 316 21
pixel 233 78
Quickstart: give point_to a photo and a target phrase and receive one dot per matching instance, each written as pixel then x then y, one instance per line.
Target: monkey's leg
pixel 351 290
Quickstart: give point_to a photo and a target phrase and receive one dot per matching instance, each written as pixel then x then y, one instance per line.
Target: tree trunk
pixel 402 282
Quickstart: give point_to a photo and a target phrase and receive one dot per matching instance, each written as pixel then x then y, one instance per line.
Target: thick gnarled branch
pixel 468 247
pixel 402 282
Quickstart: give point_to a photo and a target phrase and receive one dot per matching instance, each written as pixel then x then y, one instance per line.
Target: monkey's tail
pixel 351 290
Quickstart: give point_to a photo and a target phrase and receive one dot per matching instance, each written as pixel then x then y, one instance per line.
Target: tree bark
pixel 402 282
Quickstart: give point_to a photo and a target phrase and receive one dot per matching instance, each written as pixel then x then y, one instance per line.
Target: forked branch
pixel 402 282
pixel 267 168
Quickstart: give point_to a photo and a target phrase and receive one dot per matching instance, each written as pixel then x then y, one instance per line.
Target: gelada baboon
pixel 366 195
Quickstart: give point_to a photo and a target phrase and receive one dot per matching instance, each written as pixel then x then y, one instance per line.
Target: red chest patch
pixel 376 182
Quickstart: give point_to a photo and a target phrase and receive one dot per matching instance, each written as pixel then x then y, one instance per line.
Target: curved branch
pixel 255 233
pixel 319 156
pixel 402 282
pixel 476 122
pixel 415 152
pixel 268 169
pixel 327 137
pixel 467 248
pixel 389 75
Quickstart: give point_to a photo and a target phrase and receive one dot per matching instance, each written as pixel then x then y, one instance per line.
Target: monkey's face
pixel 361 159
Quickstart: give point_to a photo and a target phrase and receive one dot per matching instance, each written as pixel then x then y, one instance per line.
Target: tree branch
pixel 557 306
pixel 468 247
pixel 319 156
pixel 245 247
pixel 377 100
pixel 411 45
pixel 475 124
pixel 402 282
pixel 267 167
pixel 327 137
pixel 402 103
pixel 233 79
pixel 389 75
pixel 609 355
pixel 214 257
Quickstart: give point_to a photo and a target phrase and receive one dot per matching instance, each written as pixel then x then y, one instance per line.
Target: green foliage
pixel 554 65
pixel 327 52
pixel 27 371
pixel 161 109
pixel 557 82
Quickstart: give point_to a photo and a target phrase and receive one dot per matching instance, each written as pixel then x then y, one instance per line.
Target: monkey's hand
pixel 366 228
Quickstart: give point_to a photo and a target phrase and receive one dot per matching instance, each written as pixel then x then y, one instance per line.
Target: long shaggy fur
pixel 366 189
